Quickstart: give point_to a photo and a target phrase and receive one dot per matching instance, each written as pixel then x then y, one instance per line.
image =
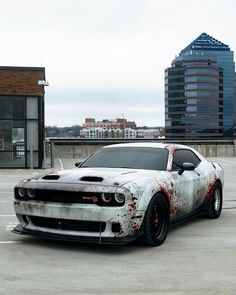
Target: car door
pixel 186 184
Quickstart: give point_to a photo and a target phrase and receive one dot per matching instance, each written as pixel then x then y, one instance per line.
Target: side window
pixel 181 156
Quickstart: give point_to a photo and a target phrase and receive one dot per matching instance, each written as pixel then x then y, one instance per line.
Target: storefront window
pixel 19 133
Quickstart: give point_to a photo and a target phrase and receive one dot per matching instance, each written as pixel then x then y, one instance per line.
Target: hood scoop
pixel 91 178
pixel 51 177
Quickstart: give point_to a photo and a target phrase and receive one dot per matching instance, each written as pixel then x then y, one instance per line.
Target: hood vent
pixel 91 178
pixel 51 177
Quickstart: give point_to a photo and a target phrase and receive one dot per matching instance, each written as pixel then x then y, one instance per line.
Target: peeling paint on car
pixel 135 228
pixel 211 185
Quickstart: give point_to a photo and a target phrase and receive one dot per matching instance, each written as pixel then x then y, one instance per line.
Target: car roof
pixel 156 145
pixel 139 144
pixel 148 144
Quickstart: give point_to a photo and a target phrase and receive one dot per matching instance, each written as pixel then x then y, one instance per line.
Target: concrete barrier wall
pixel 215 150
pixel 80 150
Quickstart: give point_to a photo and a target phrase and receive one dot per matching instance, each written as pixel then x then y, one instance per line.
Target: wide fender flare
pixel 164 186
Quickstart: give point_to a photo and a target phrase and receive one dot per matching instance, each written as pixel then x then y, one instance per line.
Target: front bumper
pixel 63 221
pixel 19 229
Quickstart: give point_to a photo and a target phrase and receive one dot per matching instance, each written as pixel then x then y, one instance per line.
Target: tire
pixel 214 207
pixel 156 221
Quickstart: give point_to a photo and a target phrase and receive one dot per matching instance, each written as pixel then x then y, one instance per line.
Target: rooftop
pixel 206 42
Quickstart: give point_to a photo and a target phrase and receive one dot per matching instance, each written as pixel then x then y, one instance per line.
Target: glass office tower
pixel 199 91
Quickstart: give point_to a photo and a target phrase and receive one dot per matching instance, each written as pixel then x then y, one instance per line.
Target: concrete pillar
pixel 52 154
pixel 234 147
pixel 31 157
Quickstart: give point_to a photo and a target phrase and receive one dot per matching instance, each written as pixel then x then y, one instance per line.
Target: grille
pixel 60 196
pixel 67 224
pixel 67 196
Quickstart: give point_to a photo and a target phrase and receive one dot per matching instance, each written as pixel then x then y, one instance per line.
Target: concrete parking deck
pixel 197 258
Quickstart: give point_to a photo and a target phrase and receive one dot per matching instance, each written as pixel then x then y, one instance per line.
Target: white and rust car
pixel 120 193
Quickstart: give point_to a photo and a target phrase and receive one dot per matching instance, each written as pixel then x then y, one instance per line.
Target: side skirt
pixel 196 213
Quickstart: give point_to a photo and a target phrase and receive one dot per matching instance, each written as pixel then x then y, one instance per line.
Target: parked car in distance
pixel 120 193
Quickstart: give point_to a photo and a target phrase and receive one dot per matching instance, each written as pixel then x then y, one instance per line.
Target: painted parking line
pixel 9 183
pixel 10 242
pixel 8 215
pixel 5 201
pixel 11 225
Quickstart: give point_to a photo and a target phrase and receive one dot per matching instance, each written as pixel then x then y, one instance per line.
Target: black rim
pixel 158 219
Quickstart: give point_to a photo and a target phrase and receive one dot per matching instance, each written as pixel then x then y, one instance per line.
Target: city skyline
pixel 107 58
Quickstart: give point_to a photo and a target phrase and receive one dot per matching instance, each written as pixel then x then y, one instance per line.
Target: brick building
pixel 21 116
pixel 109 124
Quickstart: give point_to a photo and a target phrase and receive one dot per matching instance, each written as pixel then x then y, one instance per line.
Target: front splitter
pixel 19 229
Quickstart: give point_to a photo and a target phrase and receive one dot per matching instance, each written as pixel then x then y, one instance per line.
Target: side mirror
pixel 187 166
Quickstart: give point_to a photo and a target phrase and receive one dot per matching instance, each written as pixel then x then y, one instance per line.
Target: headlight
pixel 30 192
pixel 106 197
pixel 120 198
pixel 21 192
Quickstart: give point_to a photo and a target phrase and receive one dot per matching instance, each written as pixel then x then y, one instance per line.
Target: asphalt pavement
pixel 198 257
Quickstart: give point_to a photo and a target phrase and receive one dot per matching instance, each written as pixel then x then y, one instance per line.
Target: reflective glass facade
pixel 200 86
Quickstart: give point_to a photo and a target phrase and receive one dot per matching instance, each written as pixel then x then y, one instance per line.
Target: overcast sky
pixel 105 58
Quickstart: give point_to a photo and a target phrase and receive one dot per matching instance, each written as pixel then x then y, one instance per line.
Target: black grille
pixel 69 197
pixel 67 224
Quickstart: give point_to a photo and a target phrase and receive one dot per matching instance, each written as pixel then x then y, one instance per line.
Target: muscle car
pixel 121 193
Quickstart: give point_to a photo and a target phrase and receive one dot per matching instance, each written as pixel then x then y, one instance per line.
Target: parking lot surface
pixel 198 257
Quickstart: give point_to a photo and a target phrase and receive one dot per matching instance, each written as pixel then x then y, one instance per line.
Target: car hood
pixel 102 176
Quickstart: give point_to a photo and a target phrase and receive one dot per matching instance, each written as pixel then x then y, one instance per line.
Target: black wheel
pixel 214 207
pixel 156 221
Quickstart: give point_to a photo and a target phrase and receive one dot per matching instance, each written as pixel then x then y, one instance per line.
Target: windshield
pixel 129 157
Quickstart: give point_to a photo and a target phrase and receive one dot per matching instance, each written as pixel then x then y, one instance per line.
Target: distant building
pixel 200 91
pixel 21 117
pixel 119 128
pixel 99 133
pixel 148 133
pixel 109 124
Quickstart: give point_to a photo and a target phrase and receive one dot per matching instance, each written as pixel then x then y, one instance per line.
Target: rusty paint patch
pixel 169 192
pixel 210 187
pixel 116 235
pixel 132 206
pixel 135 227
